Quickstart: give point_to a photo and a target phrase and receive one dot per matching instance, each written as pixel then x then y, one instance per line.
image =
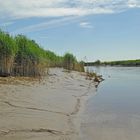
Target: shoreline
pixel 50 109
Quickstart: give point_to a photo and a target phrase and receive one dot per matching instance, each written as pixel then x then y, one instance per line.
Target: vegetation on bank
pixel 115 63
pixel 70 63
pixel 21 56
pixel 123 63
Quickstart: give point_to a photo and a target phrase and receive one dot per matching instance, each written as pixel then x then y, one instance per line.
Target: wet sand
pixel 47 110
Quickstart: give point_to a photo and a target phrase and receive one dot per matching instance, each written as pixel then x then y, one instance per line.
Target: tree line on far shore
pixel 21 56
pixel 114 63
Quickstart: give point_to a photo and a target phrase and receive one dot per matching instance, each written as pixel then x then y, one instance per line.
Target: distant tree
pixel 97 62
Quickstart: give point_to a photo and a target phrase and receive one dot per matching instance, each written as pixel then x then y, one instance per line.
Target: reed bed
pixel 21 56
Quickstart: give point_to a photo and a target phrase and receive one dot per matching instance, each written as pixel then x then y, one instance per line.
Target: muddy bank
pixel 48 109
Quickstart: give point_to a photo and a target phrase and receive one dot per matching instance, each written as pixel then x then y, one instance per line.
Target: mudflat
pixel 49 109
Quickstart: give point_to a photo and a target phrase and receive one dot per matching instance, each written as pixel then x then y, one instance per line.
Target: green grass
pixel 22 56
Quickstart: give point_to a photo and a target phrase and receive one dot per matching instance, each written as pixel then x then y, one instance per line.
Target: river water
pixel 114 112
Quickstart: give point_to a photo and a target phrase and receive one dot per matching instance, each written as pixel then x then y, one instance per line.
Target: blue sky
pixel 97 29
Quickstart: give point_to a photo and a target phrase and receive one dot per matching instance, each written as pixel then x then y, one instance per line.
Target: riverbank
pixel 48 109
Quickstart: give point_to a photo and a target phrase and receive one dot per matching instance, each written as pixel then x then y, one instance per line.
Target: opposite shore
pixel 50 109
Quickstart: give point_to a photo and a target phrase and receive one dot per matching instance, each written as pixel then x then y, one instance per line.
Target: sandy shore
pixel 46 110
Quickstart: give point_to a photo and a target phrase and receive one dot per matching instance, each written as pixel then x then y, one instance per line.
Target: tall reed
pixel 21 56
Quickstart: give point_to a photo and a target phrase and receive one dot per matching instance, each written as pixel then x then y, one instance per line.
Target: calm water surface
pixel 114 113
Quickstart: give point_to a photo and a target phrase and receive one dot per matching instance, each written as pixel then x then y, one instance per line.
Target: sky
pixel 90 29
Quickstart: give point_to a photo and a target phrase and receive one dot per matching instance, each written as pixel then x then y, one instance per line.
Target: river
pixel 114 112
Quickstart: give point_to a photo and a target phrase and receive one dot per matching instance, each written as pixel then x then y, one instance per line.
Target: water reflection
pixel 114 113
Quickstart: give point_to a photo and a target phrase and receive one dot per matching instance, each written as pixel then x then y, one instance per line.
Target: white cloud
pixel 133 3
pixel 57 8
pixel 65 11
pixel 48 24
pixel 85 25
